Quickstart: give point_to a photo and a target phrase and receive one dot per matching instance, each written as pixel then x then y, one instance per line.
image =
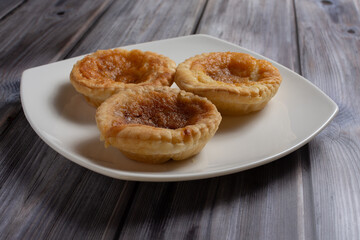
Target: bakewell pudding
pixel 236 83
pixel 99 75
pixel 154 124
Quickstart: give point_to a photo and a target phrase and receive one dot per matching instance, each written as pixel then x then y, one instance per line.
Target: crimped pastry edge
pixel 96 93
pixel 156 145
pixel 229 99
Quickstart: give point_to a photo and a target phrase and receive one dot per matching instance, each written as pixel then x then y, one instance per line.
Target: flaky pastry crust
pixel 154 124
pixel 236 83
pixel 101 74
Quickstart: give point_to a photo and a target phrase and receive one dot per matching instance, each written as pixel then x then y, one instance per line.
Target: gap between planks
pixel 80 33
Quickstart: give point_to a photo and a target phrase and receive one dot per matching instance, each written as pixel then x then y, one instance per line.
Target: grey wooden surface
pixel 312 193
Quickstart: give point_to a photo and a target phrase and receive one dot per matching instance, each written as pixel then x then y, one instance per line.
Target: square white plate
pixel 62 118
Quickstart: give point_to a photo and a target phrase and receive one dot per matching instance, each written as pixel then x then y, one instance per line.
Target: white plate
pixel 63 119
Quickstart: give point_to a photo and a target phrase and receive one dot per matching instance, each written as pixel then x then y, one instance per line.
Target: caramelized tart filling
pixel 126 67
pixel 233 68
pixel 164 111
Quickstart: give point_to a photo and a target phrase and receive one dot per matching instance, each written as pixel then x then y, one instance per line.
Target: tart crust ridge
pixel 153 144
pixel 253 82
pixel 99 75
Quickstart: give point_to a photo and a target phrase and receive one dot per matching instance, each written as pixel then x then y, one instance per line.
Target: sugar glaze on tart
pixel 154 124
pixel 99 75
pixel 236 83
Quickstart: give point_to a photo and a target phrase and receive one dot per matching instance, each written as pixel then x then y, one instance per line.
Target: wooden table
pixel 312 193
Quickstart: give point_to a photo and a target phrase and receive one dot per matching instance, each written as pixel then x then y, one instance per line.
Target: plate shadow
pixel 72 106
pixel 94 150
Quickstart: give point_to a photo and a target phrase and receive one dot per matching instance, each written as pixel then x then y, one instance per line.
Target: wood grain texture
pixel 256 204
pixel 125 23
pixel 44 195
pixel 262 203
pixel 312 193
pixel 7 6
pixel 37 32
pixel 266 27
pixel 329 40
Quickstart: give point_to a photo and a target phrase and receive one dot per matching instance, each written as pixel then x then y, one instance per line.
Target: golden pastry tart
pixel 101 74
pixel 235 82
pixel 154 124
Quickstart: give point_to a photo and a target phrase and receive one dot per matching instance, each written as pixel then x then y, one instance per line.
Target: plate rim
pixel 155 177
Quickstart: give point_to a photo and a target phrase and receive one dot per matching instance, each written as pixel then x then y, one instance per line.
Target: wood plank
pixel 7 6
pixel 40 189
pixel 125 23
pixel 45 195
pixel 263 203
pixel 329 37
pixel 121 26
pixel 47 29
pixel 263 27
pixel 248 205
